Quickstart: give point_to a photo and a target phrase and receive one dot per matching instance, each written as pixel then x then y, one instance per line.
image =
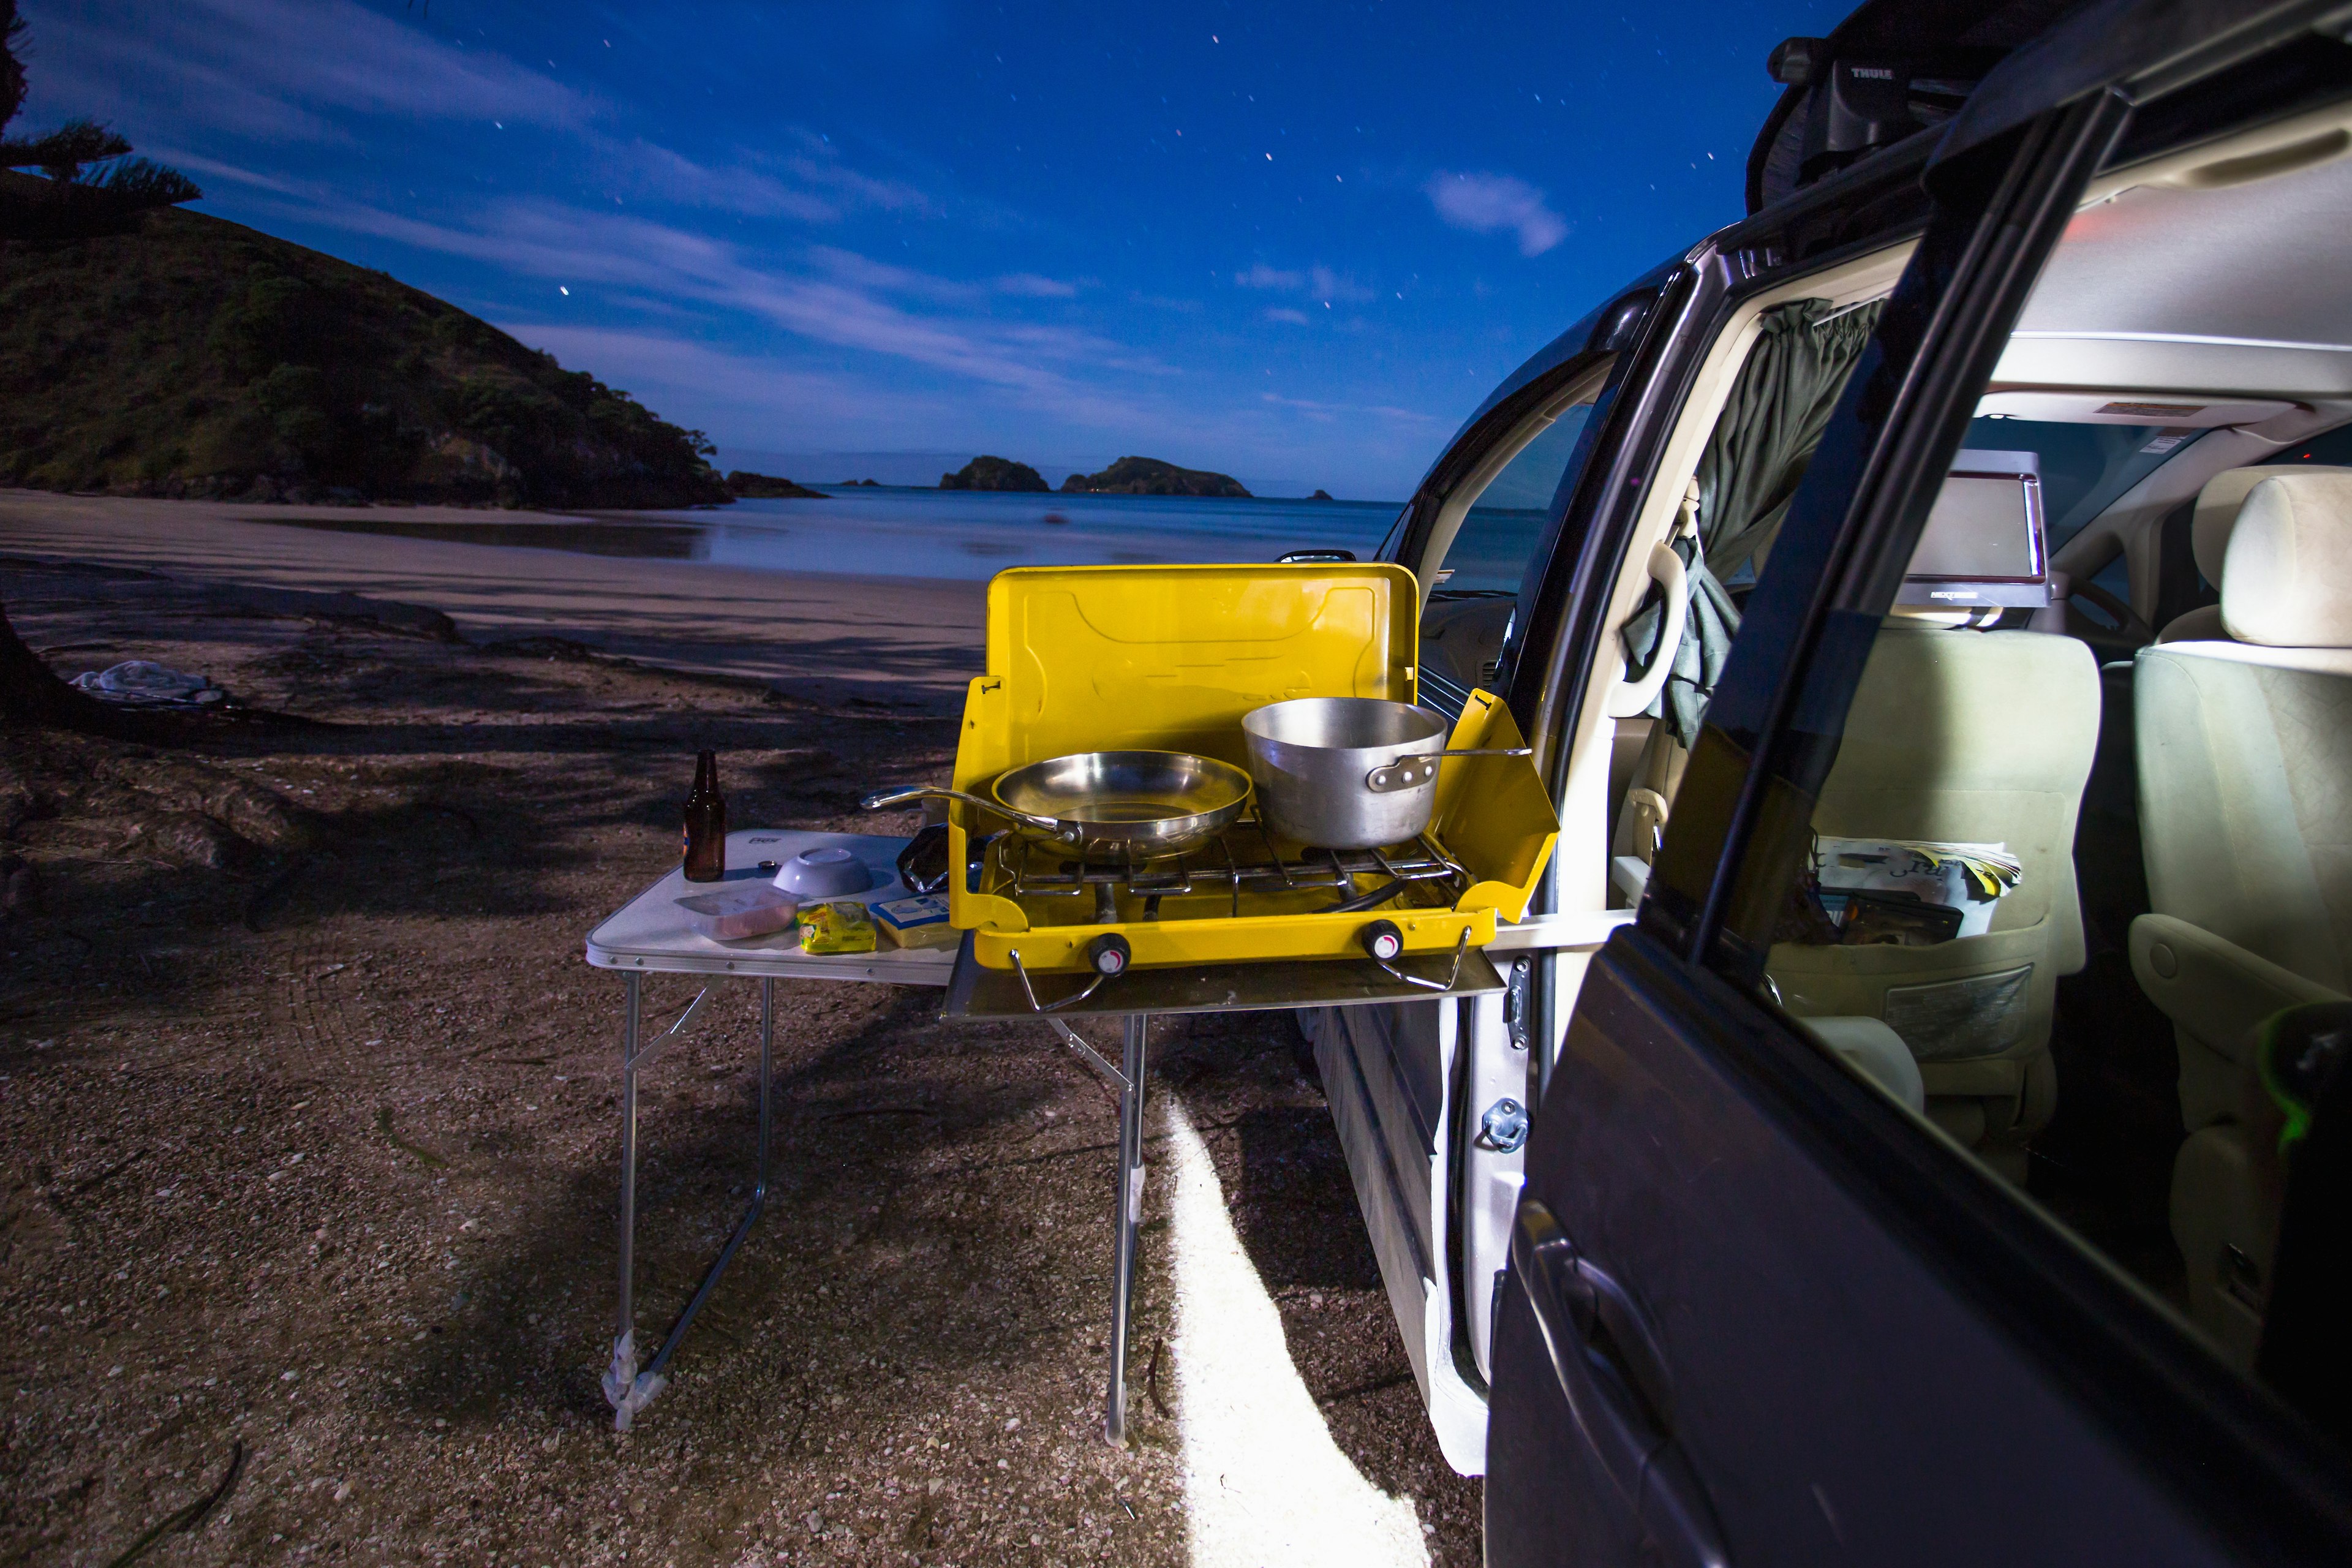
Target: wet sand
pixel 905 644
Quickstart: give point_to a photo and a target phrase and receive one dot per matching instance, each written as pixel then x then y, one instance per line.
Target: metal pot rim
pixel 1260 728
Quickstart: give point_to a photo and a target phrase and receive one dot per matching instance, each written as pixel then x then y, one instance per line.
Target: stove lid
pixel 1170 657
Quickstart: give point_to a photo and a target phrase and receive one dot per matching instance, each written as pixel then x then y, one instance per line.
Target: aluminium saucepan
pixel 1349 772
pixel 1151 801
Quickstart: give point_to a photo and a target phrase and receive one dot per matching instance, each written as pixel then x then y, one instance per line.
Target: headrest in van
pixel 2217 510
pixel 2287 578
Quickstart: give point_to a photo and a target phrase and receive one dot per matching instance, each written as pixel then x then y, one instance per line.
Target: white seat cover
pixel 2245 782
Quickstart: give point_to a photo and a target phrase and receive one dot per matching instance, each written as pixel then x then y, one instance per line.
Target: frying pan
pixel 1152 801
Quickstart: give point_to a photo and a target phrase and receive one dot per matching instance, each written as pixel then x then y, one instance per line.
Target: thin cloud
pixel 1495 203
pixel 1317 281
pixel 1264 277
pixel 847 300
pixel 195 60
pixel 1031 286
pixel 820 165
pixel 1326 284
pixel 1318 410
pixel 759 395
pixel 651 173
pixel 1284 314
pixel 191 65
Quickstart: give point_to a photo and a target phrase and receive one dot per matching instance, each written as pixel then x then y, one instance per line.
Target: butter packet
pixel 835 928
pixel 917 923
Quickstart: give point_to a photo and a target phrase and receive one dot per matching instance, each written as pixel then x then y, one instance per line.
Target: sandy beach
pixel 902 643
pixel 308 1107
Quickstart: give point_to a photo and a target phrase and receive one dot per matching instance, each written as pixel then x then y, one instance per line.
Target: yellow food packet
pixel 837 928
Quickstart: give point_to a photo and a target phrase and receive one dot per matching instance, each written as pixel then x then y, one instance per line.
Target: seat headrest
pixel 2286 579
pixel 2217 510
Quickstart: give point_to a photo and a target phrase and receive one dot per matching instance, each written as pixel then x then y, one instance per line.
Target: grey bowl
pixel 827 871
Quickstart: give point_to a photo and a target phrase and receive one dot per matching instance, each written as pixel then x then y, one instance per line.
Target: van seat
pixel 2245 782
pixel 1970 736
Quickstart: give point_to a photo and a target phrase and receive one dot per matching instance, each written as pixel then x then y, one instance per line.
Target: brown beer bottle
pixel 705 823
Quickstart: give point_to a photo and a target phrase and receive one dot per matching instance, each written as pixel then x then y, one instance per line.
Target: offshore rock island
pixel 768 486
pixel 1150 476
pixel 994 474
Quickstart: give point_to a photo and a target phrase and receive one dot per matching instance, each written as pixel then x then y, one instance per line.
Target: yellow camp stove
pixel 1169 660
pixel 1108 889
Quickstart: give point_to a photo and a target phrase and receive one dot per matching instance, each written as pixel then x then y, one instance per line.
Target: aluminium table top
pixel 649 933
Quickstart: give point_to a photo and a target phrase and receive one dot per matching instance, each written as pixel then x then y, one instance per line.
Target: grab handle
pixel 1628 697
pixel 1045 825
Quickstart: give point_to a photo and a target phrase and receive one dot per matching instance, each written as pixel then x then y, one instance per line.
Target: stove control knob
pixel 1108 953
pixel 1382 939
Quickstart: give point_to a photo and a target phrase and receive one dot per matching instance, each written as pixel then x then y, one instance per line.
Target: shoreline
pixel 903 643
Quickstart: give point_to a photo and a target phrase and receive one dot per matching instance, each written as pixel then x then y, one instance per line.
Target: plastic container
pixel 732 914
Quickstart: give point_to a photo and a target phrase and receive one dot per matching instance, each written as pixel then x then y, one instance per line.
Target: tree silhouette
pixel 30 691
pixel 74 201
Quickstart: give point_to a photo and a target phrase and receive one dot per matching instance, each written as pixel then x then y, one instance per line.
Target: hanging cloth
pixel 1737 499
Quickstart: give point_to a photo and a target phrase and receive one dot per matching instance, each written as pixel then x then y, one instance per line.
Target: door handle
pixel 1614 1379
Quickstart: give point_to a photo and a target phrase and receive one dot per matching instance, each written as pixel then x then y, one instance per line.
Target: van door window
pixel 1486 533
pixel 1732 507
pixel 1507 521
pixel 2089 915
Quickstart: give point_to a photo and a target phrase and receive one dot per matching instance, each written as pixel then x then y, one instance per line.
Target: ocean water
pixel 969 536
pixel 972 535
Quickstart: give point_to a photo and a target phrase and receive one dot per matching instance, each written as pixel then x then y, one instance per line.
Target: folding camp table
pixel 648 935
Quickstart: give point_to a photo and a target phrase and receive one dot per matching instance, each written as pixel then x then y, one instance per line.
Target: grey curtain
pixel 1752 466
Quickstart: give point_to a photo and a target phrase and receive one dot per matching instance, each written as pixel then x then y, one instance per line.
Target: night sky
pixel 1296 244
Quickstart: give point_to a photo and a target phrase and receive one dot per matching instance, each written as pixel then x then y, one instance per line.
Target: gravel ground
pixel 308 1106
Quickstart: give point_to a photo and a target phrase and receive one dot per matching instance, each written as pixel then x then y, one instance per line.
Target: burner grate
pixel 1241 861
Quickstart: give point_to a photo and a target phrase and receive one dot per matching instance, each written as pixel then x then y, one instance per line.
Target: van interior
pixel 2118 679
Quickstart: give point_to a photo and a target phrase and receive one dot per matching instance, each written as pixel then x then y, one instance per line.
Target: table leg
pixel 1130 1214
pixel 759 1188
pixel 629 1390
pixel 620 1375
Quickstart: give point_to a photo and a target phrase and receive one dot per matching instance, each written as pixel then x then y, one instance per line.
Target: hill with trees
pixel 994 474
pixel 145 351
pixel 185 355
pixel 1150 476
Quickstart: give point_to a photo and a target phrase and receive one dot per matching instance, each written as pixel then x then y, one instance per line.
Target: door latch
pixel 1503 1128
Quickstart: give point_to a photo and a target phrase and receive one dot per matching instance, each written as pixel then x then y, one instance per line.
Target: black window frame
pixel 2251 1463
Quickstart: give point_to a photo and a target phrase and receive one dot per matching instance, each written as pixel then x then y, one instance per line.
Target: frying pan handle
pixel 929 791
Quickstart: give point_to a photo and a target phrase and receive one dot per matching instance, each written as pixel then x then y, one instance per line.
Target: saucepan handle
pixel 1420 767
pixel 889 797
